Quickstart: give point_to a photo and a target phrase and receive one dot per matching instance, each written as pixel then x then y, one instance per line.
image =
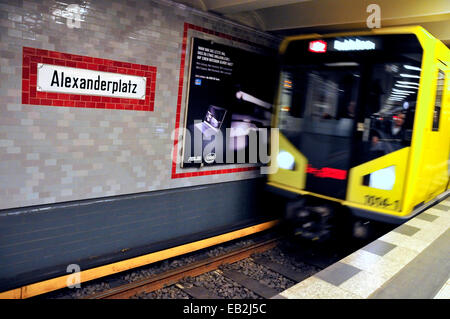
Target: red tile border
pixel 32 56
pixel 188 26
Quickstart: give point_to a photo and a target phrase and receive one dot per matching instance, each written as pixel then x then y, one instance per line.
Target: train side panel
pixel 428 175
pixel 438 125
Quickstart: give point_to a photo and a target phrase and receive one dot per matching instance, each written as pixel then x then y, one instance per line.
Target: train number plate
pixel 378 201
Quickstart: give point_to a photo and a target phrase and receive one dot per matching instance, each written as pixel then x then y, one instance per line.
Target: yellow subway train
pixel 364 126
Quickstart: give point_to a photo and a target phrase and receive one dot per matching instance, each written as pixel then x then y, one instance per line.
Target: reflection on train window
pixel 438 101
pixel 323 100
pixel 371 103
pixel 329 96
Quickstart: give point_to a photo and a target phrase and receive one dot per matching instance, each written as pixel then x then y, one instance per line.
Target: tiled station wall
pixel 92 181
pixel 51 153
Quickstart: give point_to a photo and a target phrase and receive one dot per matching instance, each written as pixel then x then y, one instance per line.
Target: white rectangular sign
pixel 353 45
pixel 62 79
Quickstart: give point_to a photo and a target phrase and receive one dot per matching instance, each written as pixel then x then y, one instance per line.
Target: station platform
pixel 410 262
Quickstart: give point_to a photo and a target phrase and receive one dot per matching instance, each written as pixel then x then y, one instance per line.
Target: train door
pixel 323 99
pixel 436 133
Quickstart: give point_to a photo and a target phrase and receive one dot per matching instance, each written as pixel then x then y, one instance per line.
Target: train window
pixel 390 106
pixel 320 99
pixel 438 101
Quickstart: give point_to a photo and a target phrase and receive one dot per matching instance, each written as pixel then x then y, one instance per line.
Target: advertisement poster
pixel 229 104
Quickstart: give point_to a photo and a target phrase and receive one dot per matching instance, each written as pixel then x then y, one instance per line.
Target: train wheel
pixel 317 220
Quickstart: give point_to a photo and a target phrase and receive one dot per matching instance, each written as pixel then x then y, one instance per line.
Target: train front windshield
pixel 343 106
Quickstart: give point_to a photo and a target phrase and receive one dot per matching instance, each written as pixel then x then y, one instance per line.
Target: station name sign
pixel 60 79
pixel 55 78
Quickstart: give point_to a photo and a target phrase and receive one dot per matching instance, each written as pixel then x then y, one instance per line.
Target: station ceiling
pixel 287 17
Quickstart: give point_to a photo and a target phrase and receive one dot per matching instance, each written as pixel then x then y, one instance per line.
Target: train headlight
pixel 285 160
pixel 383 178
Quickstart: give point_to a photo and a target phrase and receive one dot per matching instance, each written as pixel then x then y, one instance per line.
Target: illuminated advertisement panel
pixel 229 103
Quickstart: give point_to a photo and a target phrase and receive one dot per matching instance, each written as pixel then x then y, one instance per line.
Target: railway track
pixel 251 268
pixel 173 276
pixel 254 271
